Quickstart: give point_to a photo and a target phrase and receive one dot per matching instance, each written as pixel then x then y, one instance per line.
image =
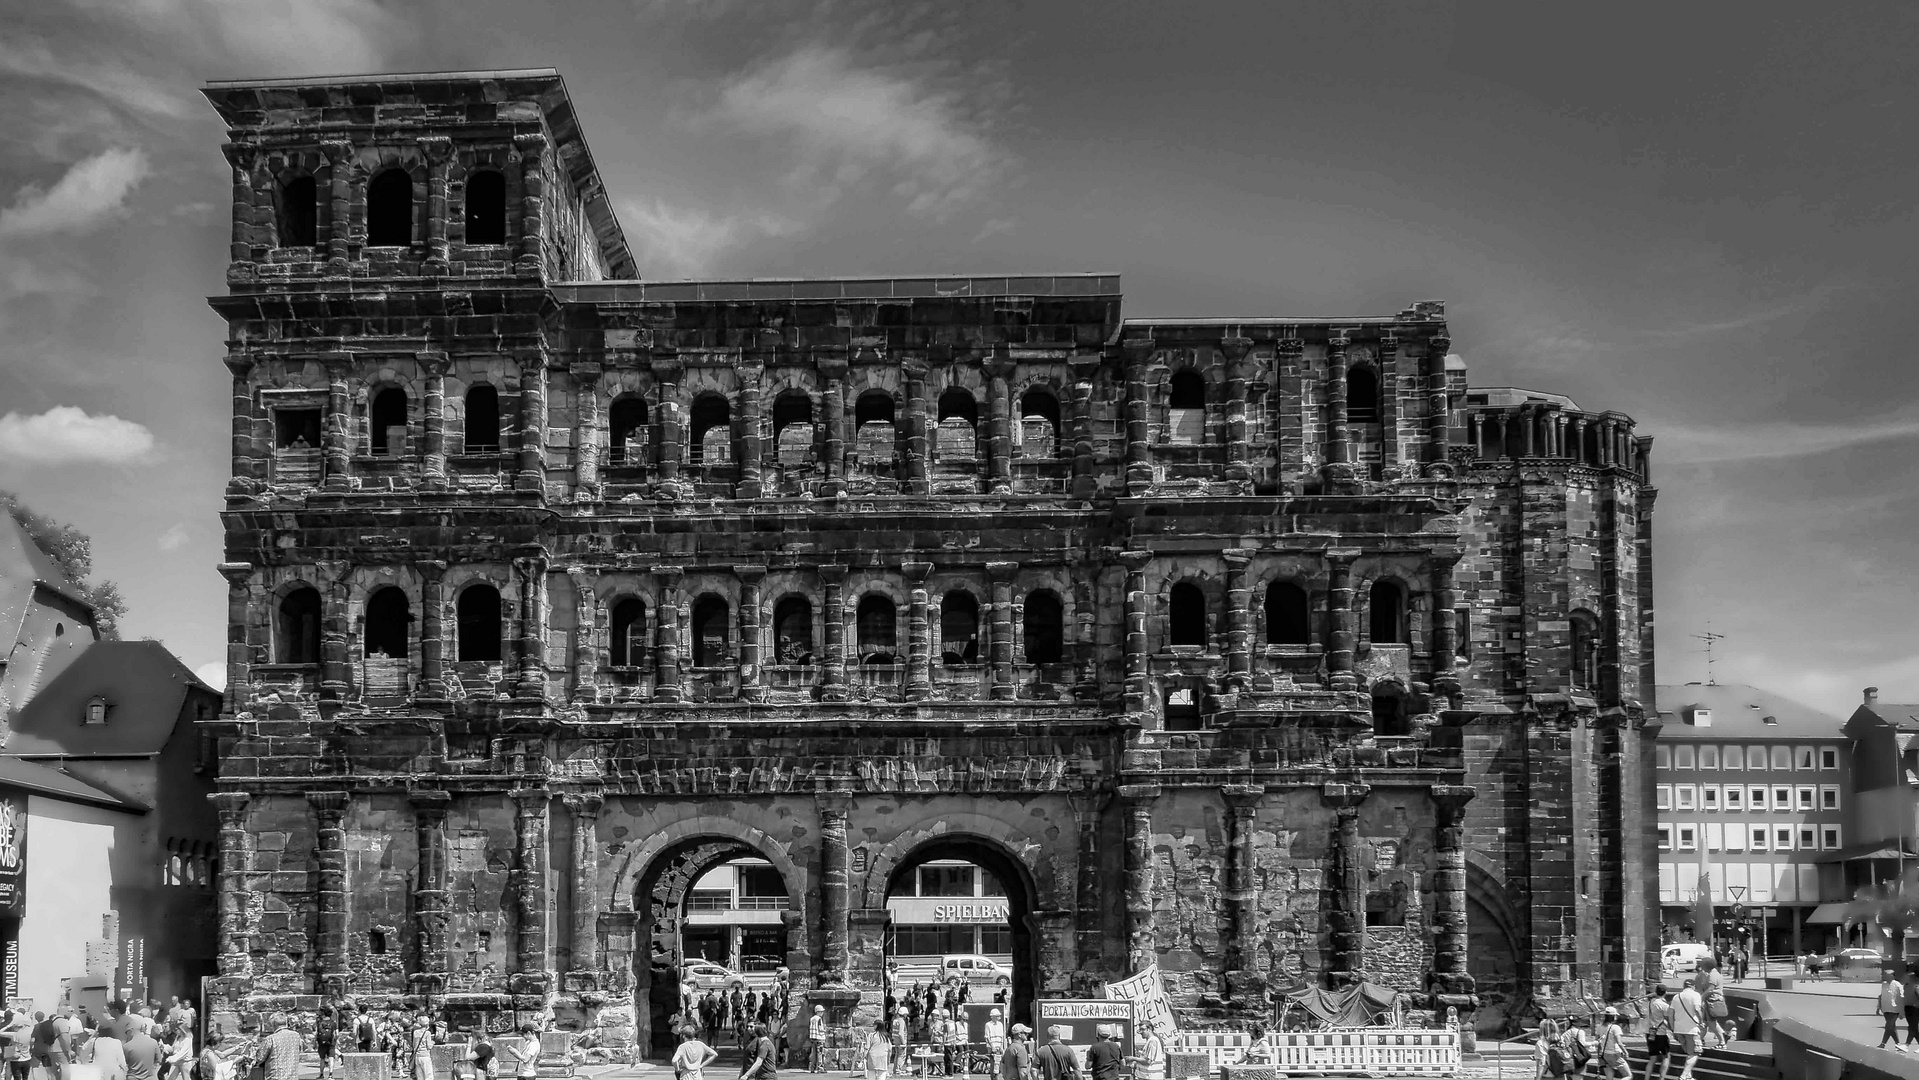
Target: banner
pixel 1082 1019
pixel 13 855
pixel 1148 994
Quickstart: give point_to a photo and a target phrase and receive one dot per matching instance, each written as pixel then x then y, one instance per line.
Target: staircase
pixel 1742 1061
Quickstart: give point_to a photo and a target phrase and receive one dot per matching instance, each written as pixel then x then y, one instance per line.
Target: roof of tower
pixel 1738 711
pixel 1515 395
pixel 488 96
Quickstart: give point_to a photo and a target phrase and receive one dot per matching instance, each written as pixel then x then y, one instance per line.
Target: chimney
pixel 1872 695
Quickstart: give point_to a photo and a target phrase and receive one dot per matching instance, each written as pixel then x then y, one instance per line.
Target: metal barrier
pixel 1380 1051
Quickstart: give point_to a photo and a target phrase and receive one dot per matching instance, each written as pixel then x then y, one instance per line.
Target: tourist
pixel 48 1043
pixel 1152 1054
pixel 106 1053
pixel 419 1048
pixel 1612 1047
pixel 1659 1034
pixel 1580 1045
pixel 1892 997
pixel 936 1022
pixel 18 1037
pixel 1689 1026
pixel 1056 1060
pixel 527 1053
pixel 816 1039
pixel 280 1051
pixel 188 1017
pixel 902 1043
pixel 145 1057
pixel 326 1025
pixel 760 1057
pixel 1912 1005
pixel 214 1064
pixel 1712 987
pixel 1017 1062
pixel 486 1060
pixel 179 1063
pixel 878 1053
pixel 1260 1050
pixel 1549 1054
pixel 1103 1057
pixel 693 1056
pixel 955 1030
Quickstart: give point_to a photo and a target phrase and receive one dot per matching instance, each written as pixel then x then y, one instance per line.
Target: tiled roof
pixel 144 685
pixel 1898 717
pixel 45 780
pixel 1739 712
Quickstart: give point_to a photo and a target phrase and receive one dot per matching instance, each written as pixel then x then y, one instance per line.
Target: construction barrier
pixel 1379 1051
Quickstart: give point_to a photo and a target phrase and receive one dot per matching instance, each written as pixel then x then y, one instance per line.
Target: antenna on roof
pixel 1709 637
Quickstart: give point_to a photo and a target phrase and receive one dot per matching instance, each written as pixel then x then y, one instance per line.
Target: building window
pixel 1665 837
pixel 1662 757
pixel 482 425
pixel 1733 757
pixel 1804 757
pixel 1828 757
pixel 1716 835
pixel 957 437
pixel 1662 797
pixel 386 420
pixel 1188 615
pixel 1828 797
pixel 1709 797
pixel 1463 633
pixel 1756 797
pixel 296 629
pixel 1288 621
pixel 1759 838
pixel 1388 608
pixel 478 619
pixel 1782 838
pixel 1585 650
pixel 486 208
pixel 793 429
pixel 387 616
pixel 1735 797
pixel 1186 408
pixel 711 632
pixel 1688 838
pixel 1038 424
pixel 1682 797
pixel 876 626
pixel 626 421
pixel 1709 757
pixel 389 209
pixel 1682 757
pixel 1806 798
pixel 1755 757
pixel 793 631
pixel 1807 841
pixel 1045 620
pixel 1781 758
pixel 299 212
pixel 712 433
pixel 1829 837
pixel 1362 394
pixel 628 639
pixel 959 628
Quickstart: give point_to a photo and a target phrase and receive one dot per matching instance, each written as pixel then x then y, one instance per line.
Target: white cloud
pixel 214 675
pixel 116 81
pixel 67 435
pixel 278 37
pixel 93 190
pixel 1769 440
pixel 672 241
pixel 174 538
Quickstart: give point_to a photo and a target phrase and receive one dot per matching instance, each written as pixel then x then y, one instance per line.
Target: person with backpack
pixel 1549 1054
pixel 1612 1047
pixel 326 1025
pixel 1581 1045
pixel 1056 1060
pixel 366 1035
pixel 1659 1034
pixel 1712 987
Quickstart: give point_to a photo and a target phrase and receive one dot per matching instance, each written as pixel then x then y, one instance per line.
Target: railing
pixel 964 681
pixel 1376 1051
pixel 736 903
pixel 297 467
pixel 877 682
pixel 711 684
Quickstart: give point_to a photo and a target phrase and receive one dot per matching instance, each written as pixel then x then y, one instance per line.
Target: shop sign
pixel 920 910
pixel 13 855
pixel 1082 1019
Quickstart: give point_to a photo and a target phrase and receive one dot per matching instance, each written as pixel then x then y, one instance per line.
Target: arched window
pixel 1585 650
pixel 627 421
pixel 479 623
pixel 876 630
pixel 387 421
pixel 387 616
pixel 958 435
pixel 873 407
pixel 711 632
pixel 712 432
pixel 486 208
pixel 1388 606
pixel 1186 407
pixel 1362 394
pixel 793 428
pixel 793 631
pixel 873 429
pixel 1389 712
pixel 628 640
pixel 299 211
pixel 1038 424
pixel 1288 618
pixel 296 628
pixel 389 209
pixel 1044 623
pixel 482 420
pixel 1188 615
pixel 959 628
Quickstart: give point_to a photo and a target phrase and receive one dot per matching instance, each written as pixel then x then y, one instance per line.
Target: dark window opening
pixel 793 631
pixel 877 630
pixel 959 628
pixel 1288 618
pixel 486 208
pixel 793 428
pixel 711 632
pixel 389 209
pixel 957 435
pixel 296 429
pixel 873 407
pixel 712 433
pixel 1463 633
pixel 479 624
pixel 1182 709
pixel 1388 904
pixel 296 637
pixel 376 942
pixel 957 404
pixel 387 616
pixel 1362 394
pixel 1389 714
pixel 299 212
pixel 1188 616
pixel 1044 625
pixel 387 419
pixel 1186 391
pixel 1186 408
pixel 628 641
pixel 482 420
pixel 1388 614
pixel 627 421
pixel 1039 424
pixel 1585 651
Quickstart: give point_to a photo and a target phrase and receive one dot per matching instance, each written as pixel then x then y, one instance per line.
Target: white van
pixel 1682 958
pixel 974 968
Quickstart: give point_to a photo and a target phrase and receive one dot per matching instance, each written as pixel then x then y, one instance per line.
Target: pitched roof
pixel 1902 718
pixel 23 567
pixel 45 780
pixel 1739 712
pixel 144 685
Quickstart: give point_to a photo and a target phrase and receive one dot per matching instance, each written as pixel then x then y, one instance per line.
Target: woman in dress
pixel 179 1059
pixel 693 1056
pixel 879 1052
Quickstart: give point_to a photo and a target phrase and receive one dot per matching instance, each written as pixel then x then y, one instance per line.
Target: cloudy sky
pixel 1700 214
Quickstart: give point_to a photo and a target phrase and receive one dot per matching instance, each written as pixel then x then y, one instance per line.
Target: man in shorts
pixel 1688 1026
pixel 1659 1034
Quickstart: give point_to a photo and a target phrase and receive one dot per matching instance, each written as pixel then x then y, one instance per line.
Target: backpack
pixel 366 1029
pixel 1558 1061
pixel 1581 1055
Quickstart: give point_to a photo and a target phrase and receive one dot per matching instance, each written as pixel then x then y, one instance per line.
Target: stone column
pixel 1083 649
pixel 433 956
pixel 1141 947
pixel 1337 472
pixel 1137 673
pixel 339 462
pixel 339 155
pixel 752 687
pixel 919 675
pixel 1438 404
pixel 589 646
pixel 666 650
pixel 1445 678
pixel 532 150
pixel 914 370
pixel 1346 906
pixel 999 423
pixel 1239 614
pixel 532 475
pixel 432 687
pixel 1472 434
pixel 329 860
pixel 667 370
pixel 530 889
pixel 1578 451
pixel 583 936
pixel 435 149
pixel 1089 884
pixel 239 577
pixel 1450 968
pixel 435 364
pixel 1002 574
pixel 1339 604
pixel 1236 350
pixel 241 482
pixel 833 415
pixel 1242 945
pixel 1139 447
pixel 336 668
pixel 834 884
pixel 236 884
pixel 587 431
pixel 240 157
pixel 833 643
pixel 752 447
pixel 532 567
pixel 1085 368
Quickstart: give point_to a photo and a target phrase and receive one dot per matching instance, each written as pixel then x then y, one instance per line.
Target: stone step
pixel 1717 1064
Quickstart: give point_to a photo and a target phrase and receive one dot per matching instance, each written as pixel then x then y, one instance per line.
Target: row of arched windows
pixel 1288 615
pixel 390 209
pixel 387 421
pixel 189 863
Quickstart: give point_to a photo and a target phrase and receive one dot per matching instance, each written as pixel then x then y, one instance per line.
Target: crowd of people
pixel 407 1036
pixel 140 1041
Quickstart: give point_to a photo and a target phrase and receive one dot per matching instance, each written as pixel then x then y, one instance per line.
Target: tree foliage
pixel 1891 905
pixel 72 551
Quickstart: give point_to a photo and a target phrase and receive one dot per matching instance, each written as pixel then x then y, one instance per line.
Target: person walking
pixel 1911 987
pixel 1689 1027
pixel 902 1043
pixel 878 1052
pixel 419 1048
pixel 1549 1054
pixel 48 1043
pixel 761 1057
pixel 1659 1034
pixel 995 1033
pixel 280 1053
pixel 144 1055
pixel 1892 999
pixel 1712 987
pixel 214 1063
pixel 816 1039
pixel 1056 1060
pixel 1017 1062
pixel 18 1033
pixel 527 1053
pixel 1612 1047
pixel 693 1056
pixel 326 1027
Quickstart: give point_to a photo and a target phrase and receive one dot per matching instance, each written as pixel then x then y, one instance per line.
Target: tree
pixel 72 551
pixel 1893 906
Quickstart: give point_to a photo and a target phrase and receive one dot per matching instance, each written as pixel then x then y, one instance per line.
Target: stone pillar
pixel 752 447
pixel 339 155
pixel 244 469
pixel 335 665
pixel 236 884
pixel 1137 673
pixel 1084 646
pixel 833 416
pixel 834 884
pixel 1445 678
pixel 532 151
pixel 914 370
pixel 240 157
pixel 1438 404
pixel 1337 472
pixel 666 650
pixel 1339 604
pixel 1239 614
pixel 433 416
pixel 1085 368
pixel 435 149
pixel 1346 903
pixel 532 681
pixel 530 889
pixel 329 859
pixel 239 577
pixel 1242 944
pixel 339 461
pixel 1089 885
pixel 1236 350
pixel 1139 447
pixel 752 687
pixel 1472 434
pixel 583 936
pixel 589 646
pixel 999 423
pixel 433 955
pixel 432 687
pixel 833 643
pixel 919 675
pixel 667 370
pixel 1450 968
pixel 587 431
pixel 532 476
pixel 1141 947
pixel 1002 574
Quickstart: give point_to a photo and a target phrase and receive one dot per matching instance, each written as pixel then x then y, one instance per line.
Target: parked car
pixel 708 975
pixel 974 968
pixel 1682 958
pixel 1859 965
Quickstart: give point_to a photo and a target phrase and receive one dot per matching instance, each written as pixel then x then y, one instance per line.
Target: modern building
pixel 736 916
pixel 1260 649
pixel 1884 841
pixel 1752 792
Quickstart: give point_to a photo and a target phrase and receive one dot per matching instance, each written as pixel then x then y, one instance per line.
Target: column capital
pixel 1345 798
pixel 915 368
pixel 531 799
pixel 329 805
pixel 1002 571
pixel 1290 346
pixel 238 574
pixel 582 804
pixel 751 574
pixel 916 571
pixel 337 363
pixel 669 575
pixel 1085 364
pixel 1235 348
pixel 1342 556
pixel 1242 798
pixel 1452 798
pixel 1135 560
pixel 587 372
pixel 831 573
pixel 241 155
pixel 832 363
pixel 231 806
pixel 436 148
pixel 1339 339
pixel 1137 796
pixel 530 144
pixel 1237 558
pixel 240 364
pixel 430 805
pixel 337 151
pixel 1088 805
pixel 998 365
pixel 435 361
pixel 834 802
pixel 1138 349
pixel 666 364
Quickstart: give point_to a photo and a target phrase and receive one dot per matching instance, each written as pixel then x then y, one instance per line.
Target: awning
pixel 1868 853
pixel 1827 913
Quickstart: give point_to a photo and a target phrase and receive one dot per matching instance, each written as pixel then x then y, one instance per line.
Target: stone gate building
pixel 1268 649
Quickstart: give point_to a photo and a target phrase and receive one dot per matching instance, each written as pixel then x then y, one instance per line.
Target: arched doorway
pixel 996 919
pixel 1493 957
